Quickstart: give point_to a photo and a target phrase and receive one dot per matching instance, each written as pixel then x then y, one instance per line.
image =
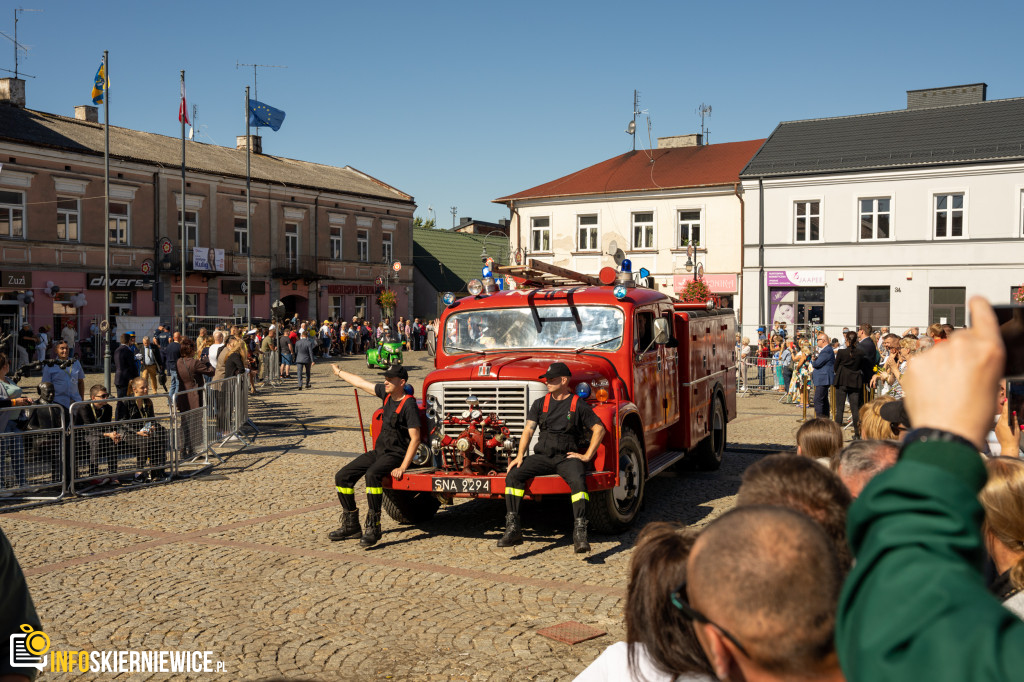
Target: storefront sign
pixel 341 289
pixel 796 278
pixel 16 279
pixel 207 259
pixel 121 297
pixel 719 284
pixel 120 282
pixel 237 287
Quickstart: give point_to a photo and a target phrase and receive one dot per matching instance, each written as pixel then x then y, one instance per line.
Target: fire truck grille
pixel 509 402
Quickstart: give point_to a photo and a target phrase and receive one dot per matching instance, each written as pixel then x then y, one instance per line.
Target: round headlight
pixel 448 298
pixel 474 287
pixel 583 390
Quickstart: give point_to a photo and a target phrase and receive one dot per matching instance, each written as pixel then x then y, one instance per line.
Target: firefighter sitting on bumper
pixel 396 444
pixel 564 420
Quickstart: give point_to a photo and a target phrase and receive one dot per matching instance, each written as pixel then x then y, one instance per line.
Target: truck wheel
pixel 422 456
pixel 410 506
pixel 613 511
pixel 708 454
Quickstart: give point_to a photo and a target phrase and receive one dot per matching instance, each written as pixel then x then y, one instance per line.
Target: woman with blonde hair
pixel 1003 528
pixel 872 425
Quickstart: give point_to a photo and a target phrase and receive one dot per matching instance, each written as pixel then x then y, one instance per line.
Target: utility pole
pixel 455 212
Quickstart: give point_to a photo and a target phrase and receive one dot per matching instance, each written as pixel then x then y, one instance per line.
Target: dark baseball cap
pixel 396 372
pixel 555 370
pixel 896 414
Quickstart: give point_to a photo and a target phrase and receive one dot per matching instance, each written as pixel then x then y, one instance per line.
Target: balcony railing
pixel 293 268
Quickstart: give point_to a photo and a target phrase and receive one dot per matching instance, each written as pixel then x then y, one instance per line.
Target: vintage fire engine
pixel 661 375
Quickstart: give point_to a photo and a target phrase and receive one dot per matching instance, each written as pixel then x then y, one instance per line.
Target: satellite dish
pixel 616 253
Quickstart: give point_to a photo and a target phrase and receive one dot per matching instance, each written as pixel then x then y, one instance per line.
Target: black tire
pixel 410 506
pixel 613 511
pixel 707 456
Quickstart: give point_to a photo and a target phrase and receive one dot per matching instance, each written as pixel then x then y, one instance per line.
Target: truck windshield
pixel 515 328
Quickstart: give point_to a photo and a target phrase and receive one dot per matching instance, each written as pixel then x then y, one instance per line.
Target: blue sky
pixel 458 103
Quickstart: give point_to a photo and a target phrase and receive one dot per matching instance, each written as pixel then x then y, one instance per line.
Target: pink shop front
pixel 58 297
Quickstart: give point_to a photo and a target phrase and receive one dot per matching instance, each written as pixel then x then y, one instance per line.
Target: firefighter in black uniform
pixel 564 421
pixel 396 444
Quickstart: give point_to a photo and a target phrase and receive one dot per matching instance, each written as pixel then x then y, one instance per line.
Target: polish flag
pixel 183 108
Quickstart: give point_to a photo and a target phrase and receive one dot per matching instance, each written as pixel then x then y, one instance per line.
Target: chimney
pixel 87 112
pixel 946 97
pixel 465 221
pixel 257 143
pixel 503 222
pixel 12 91
pixel 678 141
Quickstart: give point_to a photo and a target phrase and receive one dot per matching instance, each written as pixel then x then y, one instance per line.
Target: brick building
pixel 320 235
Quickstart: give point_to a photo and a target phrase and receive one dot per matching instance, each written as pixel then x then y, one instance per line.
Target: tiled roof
pixel 41 129
pixel 450 259
pixel 908 138
pixel 713 164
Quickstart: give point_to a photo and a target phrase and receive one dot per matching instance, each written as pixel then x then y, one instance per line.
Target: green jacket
pixel 915 606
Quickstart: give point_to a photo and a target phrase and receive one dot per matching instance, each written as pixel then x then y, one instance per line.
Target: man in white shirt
pixel 69 336
pixel 218 343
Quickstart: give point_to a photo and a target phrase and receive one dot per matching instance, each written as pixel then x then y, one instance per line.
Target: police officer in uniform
pixel 564 421
pixel 396 444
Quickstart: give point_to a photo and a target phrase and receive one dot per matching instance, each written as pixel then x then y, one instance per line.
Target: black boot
pixel 513 531
pixel 350 527
pixel 372 534
pixel 579 537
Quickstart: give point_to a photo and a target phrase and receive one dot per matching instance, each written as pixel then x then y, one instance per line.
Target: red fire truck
pixel 661 375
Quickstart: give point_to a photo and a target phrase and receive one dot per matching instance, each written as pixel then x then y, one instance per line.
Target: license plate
pixel 461 485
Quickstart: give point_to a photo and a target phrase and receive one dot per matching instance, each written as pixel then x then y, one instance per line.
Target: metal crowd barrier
pixel 33 457
pixel 270 369
pixel 47 452
pixel 760 374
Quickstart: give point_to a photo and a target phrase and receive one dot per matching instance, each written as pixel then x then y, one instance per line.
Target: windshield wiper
pixel 595 345
pixel 464 350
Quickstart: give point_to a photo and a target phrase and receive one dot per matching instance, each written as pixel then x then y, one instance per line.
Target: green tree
pixel 420 222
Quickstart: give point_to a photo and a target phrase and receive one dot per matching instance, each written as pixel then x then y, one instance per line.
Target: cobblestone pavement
pixel 237 562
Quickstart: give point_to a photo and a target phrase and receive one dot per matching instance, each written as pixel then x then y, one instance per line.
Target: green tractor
pixel 384 355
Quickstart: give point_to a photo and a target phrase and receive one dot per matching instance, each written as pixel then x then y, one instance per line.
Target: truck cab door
pixel 647 365
pixel 669 370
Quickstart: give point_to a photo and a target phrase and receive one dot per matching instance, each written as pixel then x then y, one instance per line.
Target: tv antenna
pixel 455 212
pixel 705 111
pixel 255 87
pixel 631 127
pixel 18 46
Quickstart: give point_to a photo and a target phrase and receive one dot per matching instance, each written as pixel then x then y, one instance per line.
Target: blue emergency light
pixel 626 266
pixel 448 298
pixel 619 291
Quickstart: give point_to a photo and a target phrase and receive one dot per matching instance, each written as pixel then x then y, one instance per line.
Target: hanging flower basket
pixel 1018 296
pixel 695 291
pixel 386 300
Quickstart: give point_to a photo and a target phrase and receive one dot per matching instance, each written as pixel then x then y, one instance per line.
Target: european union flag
pixel 262 115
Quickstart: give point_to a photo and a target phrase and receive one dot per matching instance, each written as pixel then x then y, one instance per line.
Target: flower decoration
pixel 695 291
pixel 1018 295
pixel 386 299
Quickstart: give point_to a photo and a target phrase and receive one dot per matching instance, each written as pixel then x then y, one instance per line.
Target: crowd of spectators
pixel 896 556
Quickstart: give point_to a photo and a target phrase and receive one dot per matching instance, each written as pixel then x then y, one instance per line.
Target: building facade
pixel 647 206
pixel 895 219
pixel 320 236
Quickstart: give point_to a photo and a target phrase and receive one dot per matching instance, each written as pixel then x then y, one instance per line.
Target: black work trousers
pixel 855 396
pixel 374 467
pixel 572 471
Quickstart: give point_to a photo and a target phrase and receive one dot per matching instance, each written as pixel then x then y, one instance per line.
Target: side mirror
pixel 661 334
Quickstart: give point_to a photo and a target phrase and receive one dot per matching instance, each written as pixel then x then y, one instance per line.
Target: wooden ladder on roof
pixel 539 274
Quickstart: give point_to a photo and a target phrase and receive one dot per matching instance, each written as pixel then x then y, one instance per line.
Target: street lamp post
pixel 500 257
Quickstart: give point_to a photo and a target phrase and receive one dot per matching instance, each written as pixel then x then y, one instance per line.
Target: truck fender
pixel 613 415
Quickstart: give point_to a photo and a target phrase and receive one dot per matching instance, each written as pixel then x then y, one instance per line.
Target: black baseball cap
pixel 895 413
pixel 396 372
pixel 555 370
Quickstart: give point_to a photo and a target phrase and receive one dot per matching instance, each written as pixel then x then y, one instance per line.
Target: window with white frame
pixel 540 234
pixel 119 225
pixel 949 216
pixel 12 214
pixel 643 231
pixel 875 218
pixel 67 219
pixel 291 246
pixel 239 308
pixel 191 304
pixel 360 303
pixel 335 243
pixel 586 233
pixel 241 235
pixel 191 229
pixel 335 307
pixel 387 243
pixel 808 221
pixel 690 228
pixel 363 245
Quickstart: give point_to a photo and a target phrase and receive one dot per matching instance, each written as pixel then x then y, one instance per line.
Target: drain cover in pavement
pixel 571 632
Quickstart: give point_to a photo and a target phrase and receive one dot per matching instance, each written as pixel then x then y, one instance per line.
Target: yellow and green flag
pixel 100 84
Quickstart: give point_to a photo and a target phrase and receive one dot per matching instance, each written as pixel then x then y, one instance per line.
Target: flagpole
pixel 184 235
pixel 106 219
pixel 248 232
